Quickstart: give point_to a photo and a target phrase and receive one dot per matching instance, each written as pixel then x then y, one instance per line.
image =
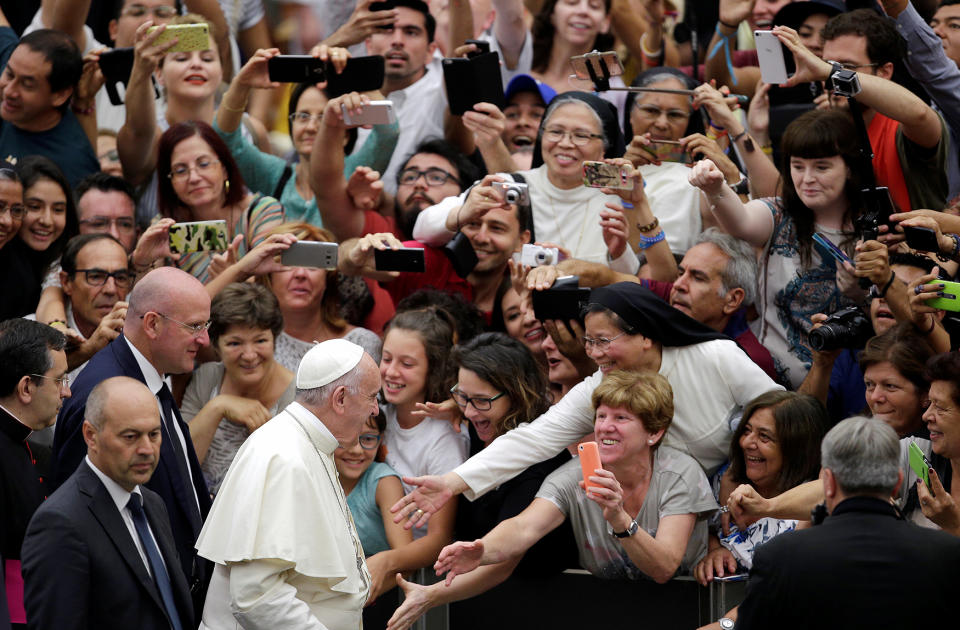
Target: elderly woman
pixel 576 127
pixel 627 327
pixel 653 498
pixel 227 400
pixel 941 501
pixel 776 447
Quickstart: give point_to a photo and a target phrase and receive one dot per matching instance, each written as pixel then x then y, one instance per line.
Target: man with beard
pixel 434 171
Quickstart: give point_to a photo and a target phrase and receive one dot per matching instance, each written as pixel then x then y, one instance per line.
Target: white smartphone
pixel 374 113
pixel 311 254
pixel 773 64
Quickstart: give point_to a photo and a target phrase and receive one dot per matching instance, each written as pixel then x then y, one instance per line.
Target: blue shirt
pixel 362 502
pixel 65 143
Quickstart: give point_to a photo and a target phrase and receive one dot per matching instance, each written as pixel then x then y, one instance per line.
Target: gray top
pixel 290 350
pixel 677 486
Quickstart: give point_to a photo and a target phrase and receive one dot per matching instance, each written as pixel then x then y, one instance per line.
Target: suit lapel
pixel 106 513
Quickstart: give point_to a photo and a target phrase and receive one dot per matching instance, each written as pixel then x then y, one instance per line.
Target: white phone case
pixel 773 66
pixel 374 113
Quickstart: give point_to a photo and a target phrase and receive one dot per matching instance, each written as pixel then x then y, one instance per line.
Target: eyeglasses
pixel 578 138
pixel 196 329
pixel 854 66
pixel 164 12
pixel 600 343
pixel 112 155
pixel 16 210
pixel 99 277
pixel 652 112
pixel 61 381
pixel 182 171
pixel 479 403
pixel 433 176
pixel 304 117
pixel 369 441
pixel 124 224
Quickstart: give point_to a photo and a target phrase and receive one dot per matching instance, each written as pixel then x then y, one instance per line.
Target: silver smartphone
pixel 311 254
pixel 374 113
pixel 773 63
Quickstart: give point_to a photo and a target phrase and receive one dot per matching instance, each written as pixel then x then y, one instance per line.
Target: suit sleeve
pixel 261 599
pixel 56 573
pixel 759 607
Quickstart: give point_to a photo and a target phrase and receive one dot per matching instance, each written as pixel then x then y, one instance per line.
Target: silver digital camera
pixel 537 255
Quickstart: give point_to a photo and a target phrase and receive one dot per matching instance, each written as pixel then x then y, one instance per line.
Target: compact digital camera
pixel 537 255
pixel 513 192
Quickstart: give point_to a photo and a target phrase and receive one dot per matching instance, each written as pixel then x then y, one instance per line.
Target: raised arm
pixel 510 30
pixel 136 140
pixel 326 170
pixel 919 122
pixel 253 75
pixel 751 222
pixel 720 50
pixel 67 16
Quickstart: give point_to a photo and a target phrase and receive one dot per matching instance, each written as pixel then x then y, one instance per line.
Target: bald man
pixel 166 325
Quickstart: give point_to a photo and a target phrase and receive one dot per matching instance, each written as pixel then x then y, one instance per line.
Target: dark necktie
pixel 160 575
pixel 170 420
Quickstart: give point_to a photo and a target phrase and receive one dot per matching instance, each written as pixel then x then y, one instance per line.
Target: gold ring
pixel 419 513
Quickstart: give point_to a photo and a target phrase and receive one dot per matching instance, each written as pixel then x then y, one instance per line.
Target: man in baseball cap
pixel 526 100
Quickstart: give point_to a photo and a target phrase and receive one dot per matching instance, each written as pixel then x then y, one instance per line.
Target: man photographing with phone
pixel 906 135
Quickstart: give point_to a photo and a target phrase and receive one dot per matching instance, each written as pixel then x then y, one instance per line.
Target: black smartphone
pixel 471 81
pixel 402 259
pixel 361 74
pixel 921 239
pixel 482 47
pixel 459 251
pixel 116 66
pixel 563 303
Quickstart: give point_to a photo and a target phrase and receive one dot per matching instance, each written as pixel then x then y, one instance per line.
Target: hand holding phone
pixel 198 236
pixel 603 175
pixel 589 462
pixel 832 249
pixel 919 463
pixel 374 113
pixel 772 57
pixel 949 299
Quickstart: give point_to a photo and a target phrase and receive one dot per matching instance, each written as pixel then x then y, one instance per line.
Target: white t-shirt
pixel 674 202
pixel 430 448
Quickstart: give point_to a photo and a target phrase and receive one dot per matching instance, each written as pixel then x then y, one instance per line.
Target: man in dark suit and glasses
pixel 166 325
pixel 864 567
pixel 99 552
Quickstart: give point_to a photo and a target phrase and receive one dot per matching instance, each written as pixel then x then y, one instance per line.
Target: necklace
pixel 341 501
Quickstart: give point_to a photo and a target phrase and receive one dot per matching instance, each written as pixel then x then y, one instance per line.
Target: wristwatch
pixel 629 531
pixel 726 623
pixel 843 82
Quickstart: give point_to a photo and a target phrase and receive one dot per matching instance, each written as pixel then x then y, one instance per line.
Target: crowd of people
pixel 744 295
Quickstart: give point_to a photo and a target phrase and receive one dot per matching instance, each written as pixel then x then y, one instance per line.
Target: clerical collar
pixel 118 493
pixel 327 442
pixel 12 426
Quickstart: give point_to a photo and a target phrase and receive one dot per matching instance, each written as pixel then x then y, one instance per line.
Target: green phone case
pixel 919 463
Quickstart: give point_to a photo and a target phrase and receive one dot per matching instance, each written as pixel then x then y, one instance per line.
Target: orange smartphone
pixel 589 461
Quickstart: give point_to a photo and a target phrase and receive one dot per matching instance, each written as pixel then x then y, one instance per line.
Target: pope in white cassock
pixel 283 540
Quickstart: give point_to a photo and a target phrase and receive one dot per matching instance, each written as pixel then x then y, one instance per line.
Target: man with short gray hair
pixel 286 550
pixel 864 567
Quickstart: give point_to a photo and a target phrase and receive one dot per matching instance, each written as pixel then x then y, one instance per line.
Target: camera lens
pixel 826 338
pixel 512 195
pixel 544 257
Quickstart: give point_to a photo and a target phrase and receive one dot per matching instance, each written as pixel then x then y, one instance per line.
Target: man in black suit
pixel 166 325
pixel 99 552
pixel 33 382
pixel 864 567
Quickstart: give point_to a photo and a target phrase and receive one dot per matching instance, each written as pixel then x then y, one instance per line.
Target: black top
pixel 551 554
pixel 21 487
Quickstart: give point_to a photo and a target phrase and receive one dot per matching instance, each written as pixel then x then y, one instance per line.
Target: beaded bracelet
pixel 57 321
pixel 649 227
pixel 956 245
pixel 648 241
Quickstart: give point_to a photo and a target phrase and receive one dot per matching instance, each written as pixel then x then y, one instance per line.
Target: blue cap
pixel 526 83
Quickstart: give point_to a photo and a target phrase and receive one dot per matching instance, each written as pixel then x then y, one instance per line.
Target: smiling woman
pixel 200 181
pixel 227 400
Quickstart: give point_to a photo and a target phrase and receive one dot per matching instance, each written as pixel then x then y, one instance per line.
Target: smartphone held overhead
pixel 373 113
pixel 772 57
pixel 198 236
pixel 189 37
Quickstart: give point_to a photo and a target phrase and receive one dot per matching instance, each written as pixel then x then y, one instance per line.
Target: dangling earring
pixel 226 187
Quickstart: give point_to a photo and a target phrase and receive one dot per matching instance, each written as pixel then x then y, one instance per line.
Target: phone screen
pixel 668 151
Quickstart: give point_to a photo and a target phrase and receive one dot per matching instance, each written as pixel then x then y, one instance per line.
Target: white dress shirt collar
pixel 151 376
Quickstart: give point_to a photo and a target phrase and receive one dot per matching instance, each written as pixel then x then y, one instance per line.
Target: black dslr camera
pixel 847 328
